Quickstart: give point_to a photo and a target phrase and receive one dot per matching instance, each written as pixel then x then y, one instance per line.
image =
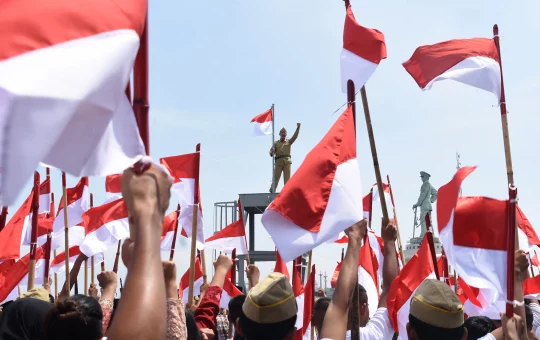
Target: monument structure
pixel 428 195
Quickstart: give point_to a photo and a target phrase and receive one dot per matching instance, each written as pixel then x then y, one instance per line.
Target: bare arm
pixel 73 274
pixel 335 320
pixel 390 263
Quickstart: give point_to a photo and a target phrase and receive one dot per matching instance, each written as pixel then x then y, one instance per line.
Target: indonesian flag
pixel 105 226
pixel 298 290
pixel 185 169
pixel 170 223
pixel 44 224
pixel 78 199
pixel 528 239
pixel 197 283
pixel 419 268
pixel 474 62
pixel 281 267
pixel 64 67
pixel 11 274
pixel 532 257
pixel 263 124
pixel 531 287
pixel 113 187
pixel 368 268
pixel 229 291
pixel 58 264
pixel 11 236
pixel 473 232
pixel 363 50
pixel 309 298
pixel 322 198
pixel 335 275
pixel 231 237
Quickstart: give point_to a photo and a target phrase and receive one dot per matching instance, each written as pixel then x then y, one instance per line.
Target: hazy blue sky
pixel 214 65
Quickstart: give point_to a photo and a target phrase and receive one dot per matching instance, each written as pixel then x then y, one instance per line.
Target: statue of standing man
pixel 428 195
pixel 282 153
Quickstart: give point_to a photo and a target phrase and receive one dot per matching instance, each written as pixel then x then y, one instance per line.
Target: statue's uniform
pixel 283 158
pixel 428 195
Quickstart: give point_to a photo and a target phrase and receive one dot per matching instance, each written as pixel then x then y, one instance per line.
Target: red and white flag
pixel 12 235
pixel 170 223
pixel 363 50
pixel 322 198
pixel 231 237
pixel 113 187
pixel 105 226
pixel 473 62
pixel 184 169
pixel 263 124
pixel 281 267
pixel 419 268
pixel 76 59
pixel 183 289
pixel 44 223
pixel 368 268
pixel 78 202
pixel 309 297
pixel 298 290
pixel 12 273
pixel 58 264
pixel 229 291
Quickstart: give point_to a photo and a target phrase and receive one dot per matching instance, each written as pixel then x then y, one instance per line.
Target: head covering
pixel 435 303
pixel 271 301
pixel 423 173
pixel 36 293
pixel 283 130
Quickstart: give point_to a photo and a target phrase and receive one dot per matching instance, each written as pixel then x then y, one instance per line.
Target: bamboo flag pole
pixel 194 228
pixel 117 258
pixel 171 256
pixel 103 263
pixel 274 184
pixel 396 220
pixel 241 213
pixel 429 235
pixel 92 259
pixel 203 264
pixel 48 245
pixel 33 238
pixel 66 230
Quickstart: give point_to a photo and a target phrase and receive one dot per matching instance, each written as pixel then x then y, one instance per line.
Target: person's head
pixel 424 176
pixel 191 327
pixel 283 133
pixel 269 310
pixel 319 311
pixel 435 313
pixel 363 305
pixel 478 326
pixel 235 308
pixel 79 317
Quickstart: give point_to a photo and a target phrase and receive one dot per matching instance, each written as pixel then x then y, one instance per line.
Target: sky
pixel 214 65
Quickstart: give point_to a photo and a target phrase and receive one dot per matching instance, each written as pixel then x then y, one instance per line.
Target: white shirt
pixel 379 327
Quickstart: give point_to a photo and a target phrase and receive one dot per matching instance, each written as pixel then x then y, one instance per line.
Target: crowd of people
pixel 150 307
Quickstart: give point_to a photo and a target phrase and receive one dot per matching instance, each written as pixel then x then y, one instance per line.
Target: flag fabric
pixel 11 273
pixel 262 124
pixel 298 290
pixel 281 267
pixel 12 235
pixel 76 59
pixel 58 263
pixel 363 50
pixel 309 298
pixel 335 275
pixel 231 237
pixel 368 268
pixel 473 62
pixel 531 287
pixel 419 268
pixel 44 223
pixel 104 226
pixel 322 198
pixel 184 169
pixel 528 239
pixel 113 187
pixel 78 202
pixel 170 223
pixel 229 291
pixel 473 233
pixel 183 289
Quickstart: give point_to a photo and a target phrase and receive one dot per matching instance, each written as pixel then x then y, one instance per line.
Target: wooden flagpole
pixel 117 258
pixel 66 231
pixel 194 228
pixel 171 256
pixel 274 184
pixel 48 245
pixel 510 249
pixel 103 263
pixel 429 235
pixel 92 259
pixel 3 217
pixel 241 213
pixel 396 220
pixel 370 207
pixel 33 238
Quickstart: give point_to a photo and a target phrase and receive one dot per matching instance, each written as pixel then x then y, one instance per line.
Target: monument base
pixel 413 244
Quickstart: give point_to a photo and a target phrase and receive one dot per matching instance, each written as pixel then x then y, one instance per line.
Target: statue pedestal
pixel 413 244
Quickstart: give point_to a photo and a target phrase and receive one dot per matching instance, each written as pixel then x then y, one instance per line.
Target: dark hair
pixel 426 331
pixel 529 316
pixel 191 326
pixel 235 304
pixel 478 326
pixel 79 317
pixel 266 331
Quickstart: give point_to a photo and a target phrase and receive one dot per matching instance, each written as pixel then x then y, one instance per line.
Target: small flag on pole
pixel 263 124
